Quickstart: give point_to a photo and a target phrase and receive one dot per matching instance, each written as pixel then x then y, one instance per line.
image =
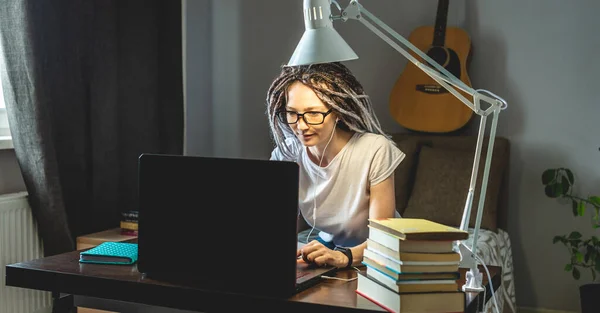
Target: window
pixel 5 138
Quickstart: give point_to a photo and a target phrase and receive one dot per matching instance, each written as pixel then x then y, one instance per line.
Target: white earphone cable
pixel 317 184
pixel 342 279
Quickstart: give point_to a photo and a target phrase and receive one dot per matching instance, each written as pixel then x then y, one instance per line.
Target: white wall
pixel 11 179
pixel 197 54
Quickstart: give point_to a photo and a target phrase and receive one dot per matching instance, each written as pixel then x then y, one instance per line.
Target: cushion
pixel 404 174
pixel 441 185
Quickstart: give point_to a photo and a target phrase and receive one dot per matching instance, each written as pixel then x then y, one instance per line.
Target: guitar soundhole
pixel 438 54
pixel 447 58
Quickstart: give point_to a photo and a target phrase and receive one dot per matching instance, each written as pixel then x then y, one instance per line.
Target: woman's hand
pixel 315 252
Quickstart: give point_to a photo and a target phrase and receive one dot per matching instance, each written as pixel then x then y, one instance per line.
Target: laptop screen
pixel 219 223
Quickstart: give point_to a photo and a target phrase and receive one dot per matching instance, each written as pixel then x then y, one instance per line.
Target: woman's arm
pixel 381 204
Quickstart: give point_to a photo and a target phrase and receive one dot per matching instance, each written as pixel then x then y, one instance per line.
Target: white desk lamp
pixel 321 43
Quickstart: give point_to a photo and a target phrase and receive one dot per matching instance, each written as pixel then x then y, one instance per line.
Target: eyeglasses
pixel 310 118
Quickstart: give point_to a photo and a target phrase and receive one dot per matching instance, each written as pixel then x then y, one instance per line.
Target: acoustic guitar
pixel 417 101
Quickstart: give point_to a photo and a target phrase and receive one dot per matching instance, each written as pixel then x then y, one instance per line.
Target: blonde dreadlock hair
pixel 336 86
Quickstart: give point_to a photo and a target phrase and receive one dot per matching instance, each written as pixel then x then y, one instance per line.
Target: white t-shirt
pixel 340 190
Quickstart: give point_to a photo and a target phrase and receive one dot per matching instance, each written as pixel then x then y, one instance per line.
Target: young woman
pixel 320 117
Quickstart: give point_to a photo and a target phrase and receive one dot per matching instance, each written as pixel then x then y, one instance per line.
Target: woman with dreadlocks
pixel 320 117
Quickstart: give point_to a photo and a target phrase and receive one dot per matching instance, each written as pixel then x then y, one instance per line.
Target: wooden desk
pixel 92 240
pixel 64 274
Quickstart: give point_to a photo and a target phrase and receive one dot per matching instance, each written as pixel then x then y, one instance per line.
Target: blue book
pixel 111 253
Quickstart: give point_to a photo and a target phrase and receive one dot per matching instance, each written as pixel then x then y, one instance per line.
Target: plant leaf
pixel 595 200
pixel 558 189
pixel 581 208
pixel 565 186
pixel 575 235
pixel 550 191
pixel 548 176
pixel 590 256
pixel 558 238
pixel 579 257
pixel 570 176
pixel 575 207
pixel 586 257
pixel 562 239
pixel 576 273
pixel 568 267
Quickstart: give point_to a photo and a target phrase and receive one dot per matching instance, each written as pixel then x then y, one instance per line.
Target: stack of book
pixel 411 266
pixel 129 223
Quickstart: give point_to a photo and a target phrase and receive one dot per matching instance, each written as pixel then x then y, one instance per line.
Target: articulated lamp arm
pixel 356 11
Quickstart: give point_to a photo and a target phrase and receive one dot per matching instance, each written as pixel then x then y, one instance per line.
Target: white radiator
pixel 19 241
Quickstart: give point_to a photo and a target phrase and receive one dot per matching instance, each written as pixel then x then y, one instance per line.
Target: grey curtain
pixel 89 86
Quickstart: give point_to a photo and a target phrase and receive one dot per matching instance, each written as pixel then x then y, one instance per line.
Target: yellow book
pixel 418 229
pixel 129 225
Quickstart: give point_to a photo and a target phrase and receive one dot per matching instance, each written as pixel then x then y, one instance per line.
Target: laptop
pixel 308 274
pixel 221 224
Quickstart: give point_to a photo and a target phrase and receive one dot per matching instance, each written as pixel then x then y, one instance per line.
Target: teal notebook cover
pixel 111 253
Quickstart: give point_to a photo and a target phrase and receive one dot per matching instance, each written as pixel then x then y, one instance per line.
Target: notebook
pixel 208 222
pixel 111 253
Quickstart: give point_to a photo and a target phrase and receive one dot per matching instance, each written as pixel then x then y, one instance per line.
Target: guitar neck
pixel 441 18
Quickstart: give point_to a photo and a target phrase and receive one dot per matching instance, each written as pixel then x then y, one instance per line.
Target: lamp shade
pixel 320 43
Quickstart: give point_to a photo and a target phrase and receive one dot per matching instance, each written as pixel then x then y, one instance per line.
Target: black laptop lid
pixel 219 223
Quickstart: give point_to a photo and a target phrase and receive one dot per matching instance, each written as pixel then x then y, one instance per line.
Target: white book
pixel 412 267
pixel 434 285
pixel 397 244
pixel 419 302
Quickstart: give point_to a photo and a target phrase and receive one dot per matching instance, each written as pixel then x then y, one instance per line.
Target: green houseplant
pixel 584 253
